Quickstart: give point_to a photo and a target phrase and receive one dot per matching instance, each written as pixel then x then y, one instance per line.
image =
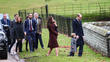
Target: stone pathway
pixel 13 57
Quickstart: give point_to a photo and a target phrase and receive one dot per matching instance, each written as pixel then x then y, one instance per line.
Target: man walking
pixel 78 30
pixel 30 30
pixel 39 30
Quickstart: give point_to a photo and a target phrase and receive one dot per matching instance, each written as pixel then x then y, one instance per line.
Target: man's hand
pixel 83 37
pixel 77 36
pixel 25 33
pixel 55 23
pixel 40 33
pixel 72 34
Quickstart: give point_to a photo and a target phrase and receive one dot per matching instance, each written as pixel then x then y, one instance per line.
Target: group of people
pixel 77 36
pixel 31 30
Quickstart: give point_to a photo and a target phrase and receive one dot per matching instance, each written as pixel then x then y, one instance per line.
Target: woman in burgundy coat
pixel 53 33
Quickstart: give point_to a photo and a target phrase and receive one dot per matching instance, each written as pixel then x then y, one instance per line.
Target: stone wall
pixel 97 37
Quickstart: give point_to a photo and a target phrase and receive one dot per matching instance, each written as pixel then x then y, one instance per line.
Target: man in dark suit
pixel 30 30
pixel 39 30
pixel 26 37
pixel 78 30
pixel 12 32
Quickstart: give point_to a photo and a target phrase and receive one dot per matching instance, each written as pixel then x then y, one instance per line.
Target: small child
pixel 73 44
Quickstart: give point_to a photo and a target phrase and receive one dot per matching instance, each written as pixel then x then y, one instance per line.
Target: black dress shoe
pixel 79 56
pixel 43 48
pixel 70 55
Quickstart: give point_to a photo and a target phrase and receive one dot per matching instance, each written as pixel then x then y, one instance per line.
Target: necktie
pixel 30 25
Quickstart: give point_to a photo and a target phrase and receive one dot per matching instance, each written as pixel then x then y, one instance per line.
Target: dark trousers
pixel 13 42
pixel 26 45
pixel 80 50
pixel 7 32
pixel 19 45
pixel 26 38
pixel 39 37
pixel 80 44
pixel 31 39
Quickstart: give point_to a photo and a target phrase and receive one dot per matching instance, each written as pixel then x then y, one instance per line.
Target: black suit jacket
pixel 26 26
pixel 77 27
pixel 78 30
pixel 12 32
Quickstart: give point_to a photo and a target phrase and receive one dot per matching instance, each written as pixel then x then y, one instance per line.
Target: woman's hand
pixel 55 23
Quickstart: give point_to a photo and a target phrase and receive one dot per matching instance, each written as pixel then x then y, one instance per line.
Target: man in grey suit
pixel 39 30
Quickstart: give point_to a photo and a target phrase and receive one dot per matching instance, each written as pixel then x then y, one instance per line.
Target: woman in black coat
pixel 18 29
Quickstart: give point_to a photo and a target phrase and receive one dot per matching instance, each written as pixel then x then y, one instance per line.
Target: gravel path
pixel 12 58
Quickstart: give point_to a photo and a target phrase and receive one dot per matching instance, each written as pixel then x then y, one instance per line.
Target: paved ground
pixel 13 57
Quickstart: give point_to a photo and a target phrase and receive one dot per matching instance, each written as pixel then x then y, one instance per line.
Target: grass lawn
pixel 40 54
pixel 64 7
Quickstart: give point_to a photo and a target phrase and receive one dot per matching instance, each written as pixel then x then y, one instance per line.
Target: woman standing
pixel 18 29
pixel 53 33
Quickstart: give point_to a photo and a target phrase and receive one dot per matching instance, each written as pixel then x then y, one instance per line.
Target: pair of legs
pixel 13 42
pixel 50 50
pixel 26 43
pixel 80 51
pixel 19 45
pixel 80 44
pixel 73 47
pixel 31 39
pixel 39 37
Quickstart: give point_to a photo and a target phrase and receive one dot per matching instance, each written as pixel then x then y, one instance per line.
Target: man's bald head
pixel 79 16
pixel 5 16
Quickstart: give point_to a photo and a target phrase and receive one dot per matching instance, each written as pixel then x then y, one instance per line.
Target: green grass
pixel 40 54
pixel 84 6
pixel 64 7
pixel 12 6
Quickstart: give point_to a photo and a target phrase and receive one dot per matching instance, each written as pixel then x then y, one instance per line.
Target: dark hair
pixel 49 21
pixel 27 16
pixel 20 19
pixel 15 15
